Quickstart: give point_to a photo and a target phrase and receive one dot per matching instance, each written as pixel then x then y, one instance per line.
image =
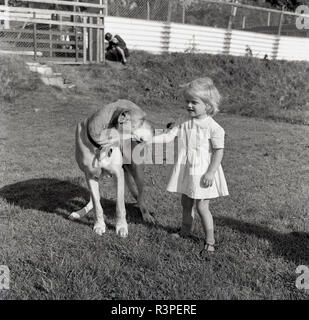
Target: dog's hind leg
pixel 137 172
pixel 130 182
pixel 76 215
pixel 93 185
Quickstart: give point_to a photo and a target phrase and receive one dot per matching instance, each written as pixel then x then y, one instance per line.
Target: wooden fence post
pixel 60 19
pixel 281 21
pixel 84 41
pixel 244 22
pixel 184 11
pixel 148 10
pixel 76 36
pixel 268 19
pixel 6 13
pixel 50 41
pixel 232 16
pixel 34 39
pixel 98 41
pixel 169 11
pixel 90 38
pixel 117 8
pixel 103 42
pixel 101 35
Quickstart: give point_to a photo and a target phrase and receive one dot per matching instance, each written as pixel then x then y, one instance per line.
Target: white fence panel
pixel 138 34
pixel 185 38
pixel 260 44
pixel 159 37
pixel 291 48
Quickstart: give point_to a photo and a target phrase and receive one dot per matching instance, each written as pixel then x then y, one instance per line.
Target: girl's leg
pixel 187 215
pixel 202 207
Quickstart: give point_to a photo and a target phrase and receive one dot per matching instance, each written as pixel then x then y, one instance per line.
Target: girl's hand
pixel 208 179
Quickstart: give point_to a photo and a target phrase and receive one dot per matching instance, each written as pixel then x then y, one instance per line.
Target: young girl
pixel 197 173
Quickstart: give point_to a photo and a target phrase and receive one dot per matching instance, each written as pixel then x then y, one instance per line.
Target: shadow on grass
pixel 293 246
pixel 60 197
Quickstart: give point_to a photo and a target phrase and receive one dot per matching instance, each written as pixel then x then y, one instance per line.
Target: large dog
pixel 105 141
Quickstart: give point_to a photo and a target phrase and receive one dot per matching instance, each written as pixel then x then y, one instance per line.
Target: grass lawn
pixel 261 229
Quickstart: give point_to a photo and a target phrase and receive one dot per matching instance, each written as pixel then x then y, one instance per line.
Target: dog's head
pixel 125 117
pixel 131 119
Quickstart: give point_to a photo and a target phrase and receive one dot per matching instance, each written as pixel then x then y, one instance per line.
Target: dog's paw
pixel 122 230
pixel 99 228
pixel 74 216
pixel 147 217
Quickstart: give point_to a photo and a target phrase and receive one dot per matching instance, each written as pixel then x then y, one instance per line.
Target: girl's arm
pixel 215 162
pixel 165 137
pixel 217 140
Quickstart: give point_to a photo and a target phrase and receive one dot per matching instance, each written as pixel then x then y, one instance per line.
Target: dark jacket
pixel 118 41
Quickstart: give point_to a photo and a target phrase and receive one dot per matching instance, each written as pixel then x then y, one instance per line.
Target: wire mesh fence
pixel 263 21
pixel 204 13
pixel 157 10
pixel 50 40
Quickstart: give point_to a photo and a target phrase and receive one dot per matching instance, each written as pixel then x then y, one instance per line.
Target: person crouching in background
pixel 117 49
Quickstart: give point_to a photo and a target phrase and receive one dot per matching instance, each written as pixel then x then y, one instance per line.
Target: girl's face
pixel 194 105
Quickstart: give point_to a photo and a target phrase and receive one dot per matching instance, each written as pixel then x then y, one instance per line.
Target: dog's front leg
pixel 121 222
pixel 93 185
pixel 76 215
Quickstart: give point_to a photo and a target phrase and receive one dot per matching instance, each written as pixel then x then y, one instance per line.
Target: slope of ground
pixel 277 90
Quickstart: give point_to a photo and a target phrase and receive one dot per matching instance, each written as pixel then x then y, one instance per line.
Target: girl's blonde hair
pixel 204 89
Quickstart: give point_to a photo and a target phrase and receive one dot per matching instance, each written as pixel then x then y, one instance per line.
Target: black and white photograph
pixel 154 154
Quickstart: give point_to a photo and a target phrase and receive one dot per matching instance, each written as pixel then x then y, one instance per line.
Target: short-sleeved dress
pixel 196 140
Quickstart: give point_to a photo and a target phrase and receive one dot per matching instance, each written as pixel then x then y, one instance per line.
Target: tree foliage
pixel 290 5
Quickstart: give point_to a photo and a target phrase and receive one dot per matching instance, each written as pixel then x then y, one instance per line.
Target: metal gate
pixel 54 30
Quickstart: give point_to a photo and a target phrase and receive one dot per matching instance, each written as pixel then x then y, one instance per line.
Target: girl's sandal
pixel 208 249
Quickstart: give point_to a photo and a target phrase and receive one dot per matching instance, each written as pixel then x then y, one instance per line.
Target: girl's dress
pixel 196 140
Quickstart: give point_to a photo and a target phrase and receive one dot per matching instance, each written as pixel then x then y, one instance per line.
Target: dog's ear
pixel 124 116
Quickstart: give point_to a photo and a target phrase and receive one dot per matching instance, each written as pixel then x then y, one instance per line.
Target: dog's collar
pixel 95 144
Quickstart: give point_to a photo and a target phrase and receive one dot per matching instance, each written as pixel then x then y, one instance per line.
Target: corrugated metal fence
pixel 164 37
